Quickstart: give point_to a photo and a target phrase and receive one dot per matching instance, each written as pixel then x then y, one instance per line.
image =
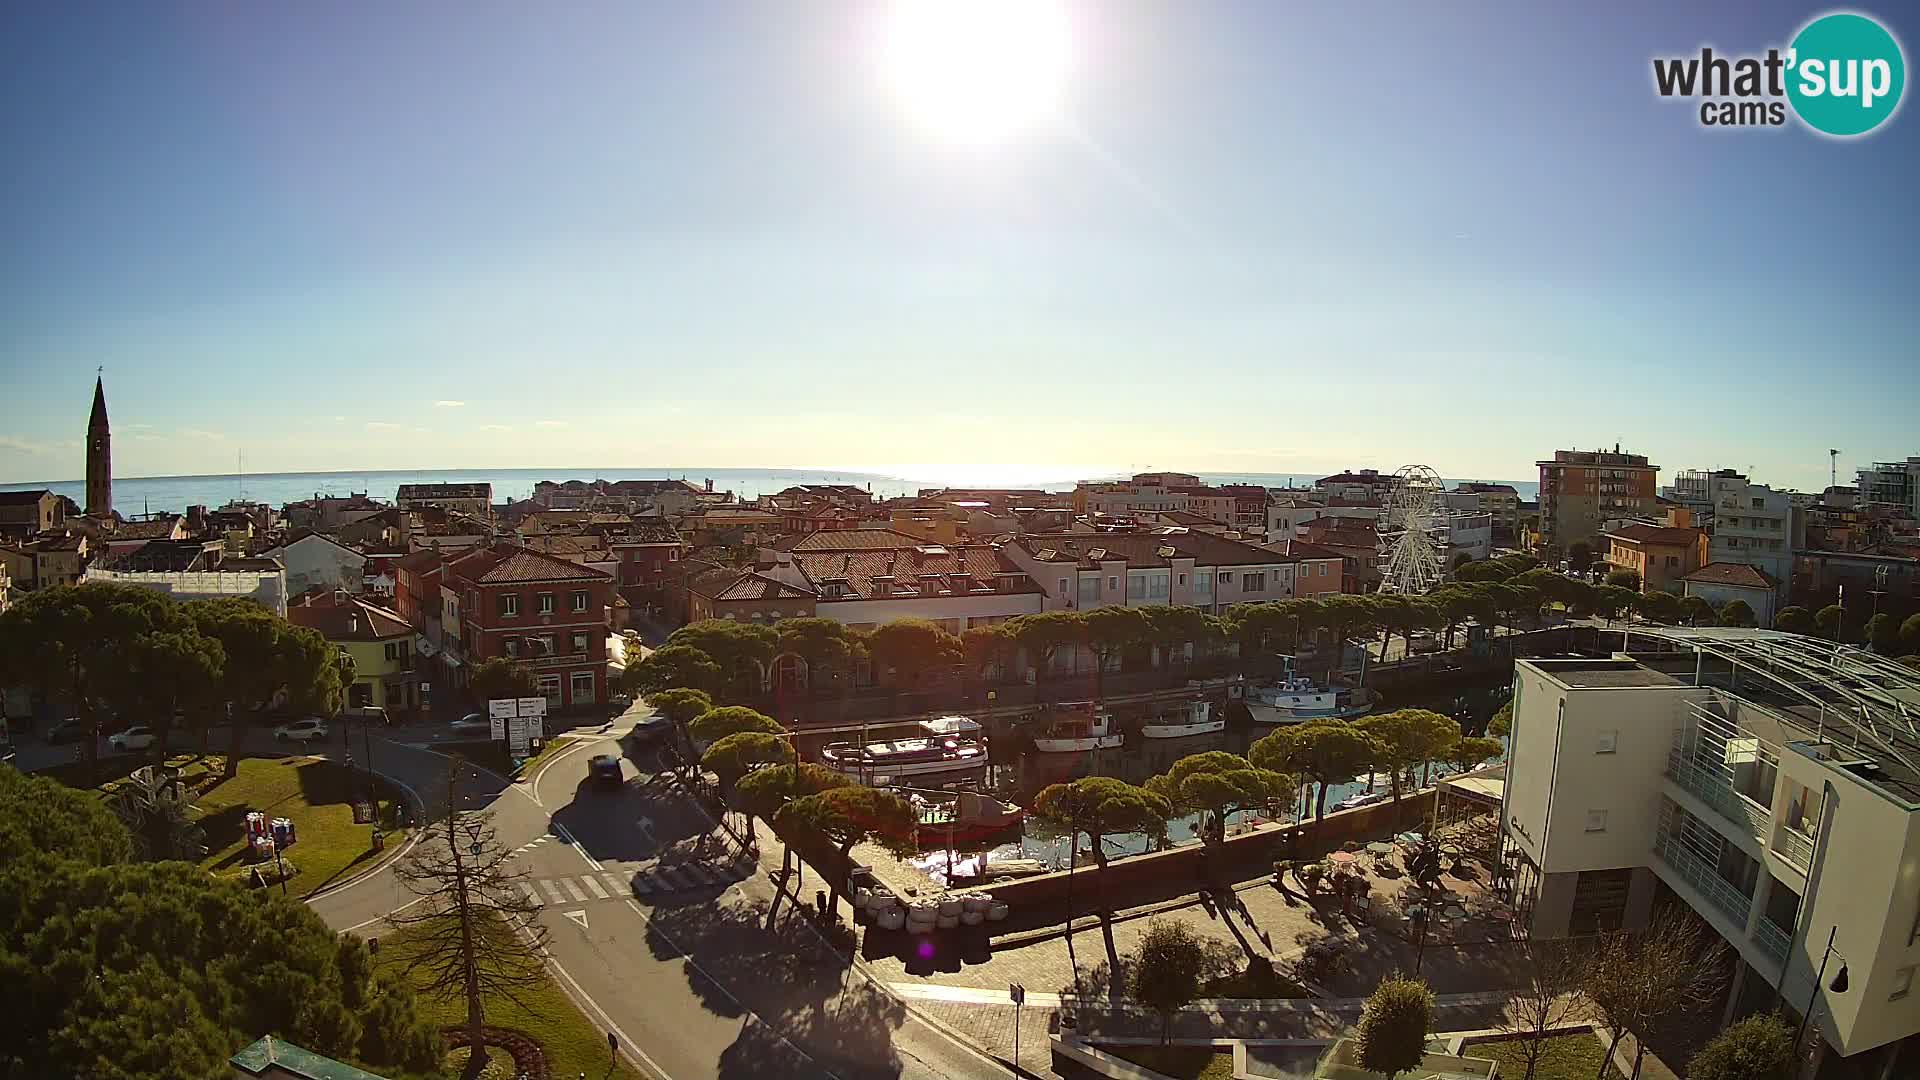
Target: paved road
pixel 665 941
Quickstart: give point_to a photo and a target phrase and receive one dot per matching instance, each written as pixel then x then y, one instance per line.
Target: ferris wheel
pixel 1413 532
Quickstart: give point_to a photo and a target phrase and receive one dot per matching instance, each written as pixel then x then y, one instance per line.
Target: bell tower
pixel 99 456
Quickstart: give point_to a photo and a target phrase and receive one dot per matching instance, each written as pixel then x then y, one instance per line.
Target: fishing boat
pixel 1296 699
pixel 943 747
pixel 1077 727
pixel 1192 718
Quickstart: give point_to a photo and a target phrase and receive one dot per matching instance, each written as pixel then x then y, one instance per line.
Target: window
pixel 583 688
pixel 396 650
pixel 1673 561
pixel 1252 582
pixel 550 689
pixel 543 603
pixel 1596 821
pixel 1136 586
pixel 579 641
pixel 1759 504
pixel 1609 742
pixel 509 604
pixel 1902 983
pixel 1203 583
pixel 1089 589
pixel 579 600
pixel 1183 579
pixel 1323 569
pixel 1226 577
pixel 1113 583
pixel 511 645
pixel 540 646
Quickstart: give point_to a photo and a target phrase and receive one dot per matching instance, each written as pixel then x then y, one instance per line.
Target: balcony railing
pixel 1793 847
pixel 1718 891
pixel 1714 790
pixel 1772 940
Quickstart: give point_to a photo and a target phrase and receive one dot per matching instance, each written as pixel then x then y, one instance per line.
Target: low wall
pixel 1164 875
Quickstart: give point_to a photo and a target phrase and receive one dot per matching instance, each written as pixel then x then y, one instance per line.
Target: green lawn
pixel 1179 1062
pixel 573 1044
pixel 1567 1057
pixel 317 796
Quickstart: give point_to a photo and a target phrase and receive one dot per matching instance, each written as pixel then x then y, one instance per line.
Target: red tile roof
pixel 859 540
pixel 760 587
pixel 1145 550
pixel 507 565
pixel 1666 535
pixel 942 565
pixel 339 617
pixel 1731 573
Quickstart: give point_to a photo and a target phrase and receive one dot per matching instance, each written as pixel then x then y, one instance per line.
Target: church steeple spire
pixel 99 455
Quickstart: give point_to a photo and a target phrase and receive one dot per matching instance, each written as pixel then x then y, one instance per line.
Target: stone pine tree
pixel 472 938
pixel 1392 1037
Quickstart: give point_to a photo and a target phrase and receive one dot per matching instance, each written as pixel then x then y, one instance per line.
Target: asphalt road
pixel 687 973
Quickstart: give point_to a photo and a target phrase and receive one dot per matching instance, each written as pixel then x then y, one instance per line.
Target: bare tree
pixel 475 938
pixel 1552 996
pixel 1655 979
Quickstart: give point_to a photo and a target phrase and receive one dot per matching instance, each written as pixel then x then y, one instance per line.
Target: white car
pixel 312 729
pixel 134 738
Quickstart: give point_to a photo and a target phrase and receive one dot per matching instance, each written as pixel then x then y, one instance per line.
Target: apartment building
pixel 475 500
pixel 868 577
pixel 1581 489
pixel 1366 487
pixel 1758 526
pixel 1892 484
pixel 1190 569
pixel 1768 781
pixel 382 644
pixel 542 611
pixel 1501 502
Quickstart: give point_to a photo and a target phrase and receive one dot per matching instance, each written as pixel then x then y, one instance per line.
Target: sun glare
pixel 978 71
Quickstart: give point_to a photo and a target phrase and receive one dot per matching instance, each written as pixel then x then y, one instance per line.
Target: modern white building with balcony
pixel 1769 781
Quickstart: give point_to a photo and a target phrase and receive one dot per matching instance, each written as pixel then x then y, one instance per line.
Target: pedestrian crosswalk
pixel 618 885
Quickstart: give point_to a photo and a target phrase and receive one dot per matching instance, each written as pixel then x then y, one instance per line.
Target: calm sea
pixel 136 495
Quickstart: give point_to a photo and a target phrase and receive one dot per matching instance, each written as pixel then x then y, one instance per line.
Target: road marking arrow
pixel 577 916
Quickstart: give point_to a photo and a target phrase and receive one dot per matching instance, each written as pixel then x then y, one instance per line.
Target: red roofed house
pixel 867 577
pixel 1660 554
pixel 1721 583
pixel 545 612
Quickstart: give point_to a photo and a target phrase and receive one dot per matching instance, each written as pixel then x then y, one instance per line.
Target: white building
pixel 1753 524
pixel 316 560
pixel 1470 535
pixel 266 587
pixel 1770 782
pixel 1893 484
pixel 1189 569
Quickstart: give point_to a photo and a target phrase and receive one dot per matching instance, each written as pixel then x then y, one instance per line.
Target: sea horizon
pixel 134 496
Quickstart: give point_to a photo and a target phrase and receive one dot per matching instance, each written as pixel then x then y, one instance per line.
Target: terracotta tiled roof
pixel 506 565
pixel 951 570
pixel 23 498
pixel 1731 573
pixel 761 587
pixel 1146 550
pixel 858 540
pixel 340 617
pixel 1657 534
pixel 424 561
pixel 564 544
pixel 645 531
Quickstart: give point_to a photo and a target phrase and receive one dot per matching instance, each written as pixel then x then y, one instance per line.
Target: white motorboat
pixel 1296 699
pixel 1193 718
pixel 947 746
pixel 1078 727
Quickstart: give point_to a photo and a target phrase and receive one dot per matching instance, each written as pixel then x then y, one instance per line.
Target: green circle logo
pixel 1845 74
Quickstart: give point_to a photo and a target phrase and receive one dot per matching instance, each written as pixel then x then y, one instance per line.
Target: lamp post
pixel 1813 1000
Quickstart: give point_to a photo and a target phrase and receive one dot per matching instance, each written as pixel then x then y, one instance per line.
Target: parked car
pixel 1425 643
pixel 138 737
pixel 603 770
pixel 311 729
pixel 472 725
pixel 66 731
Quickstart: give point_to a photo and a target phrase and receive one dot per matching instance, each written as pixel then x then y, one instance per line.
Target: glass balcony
pixel 1793 847
pixel 1701 875
pixel 1716 792
pixel 1772 940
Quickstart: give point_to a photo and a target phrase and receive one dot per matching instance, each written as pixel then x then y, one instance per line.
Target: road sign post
pixel 1019 995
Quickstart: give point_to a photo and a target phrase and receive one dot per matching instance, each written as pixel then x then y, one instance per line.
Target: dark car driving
pixel 66 731
pixel 603 770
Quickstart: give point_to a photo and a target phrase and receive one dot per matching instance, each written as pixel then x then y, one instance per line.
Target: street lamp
pixel 1839 985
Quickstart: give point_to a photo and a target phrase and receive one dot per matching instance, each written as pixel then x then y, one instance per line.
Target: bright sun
pixel 978 71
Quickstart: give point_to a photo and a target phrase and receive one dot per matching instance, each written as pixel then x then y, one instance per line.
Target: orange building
pixel 1581 489
pixel 1660 554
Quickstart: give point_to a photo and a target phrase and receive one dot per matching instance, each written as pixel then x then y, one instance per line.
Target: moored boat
pixel 1191 718
pixel 945 747
pixel 1077 727
pixel 1296 699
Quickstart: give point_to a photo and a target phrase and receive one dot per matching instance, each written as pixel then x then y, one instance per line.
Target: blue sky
pixel 1261 237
